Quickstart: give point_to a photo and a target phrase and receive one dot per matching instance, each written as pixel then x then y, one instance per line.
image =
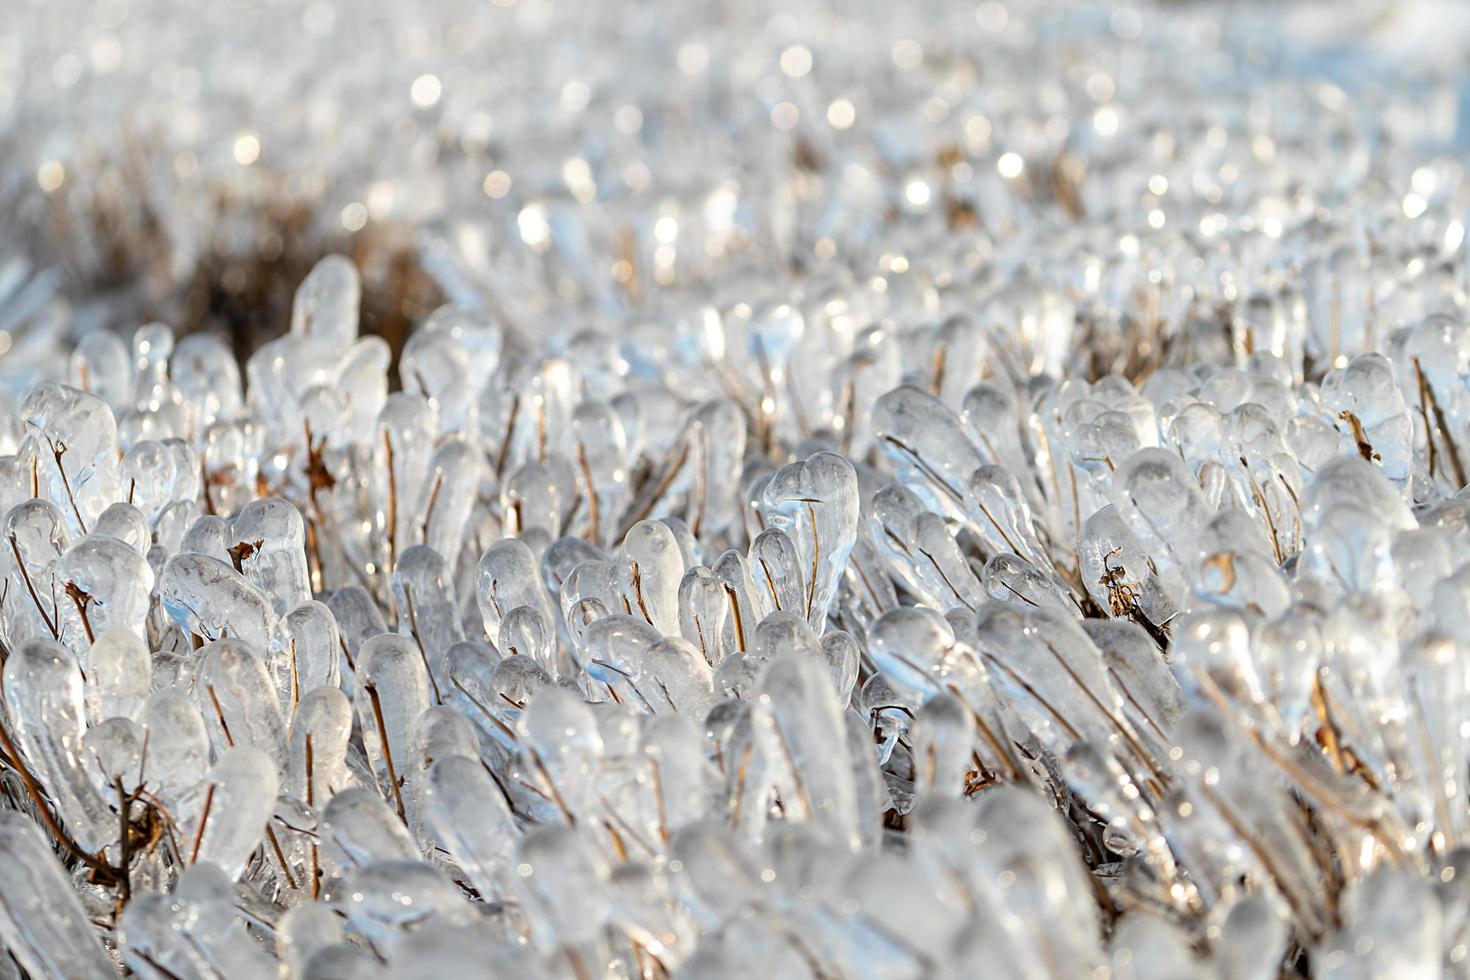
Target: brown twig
pixel 645 507
pixel 124 815
pixel 1360 436
pixel 219 712
pixel 392 503
pixel 102 872
pixel 510 425
pixel 413 628
pixel 637 573
pixel 811 591
pixel 433 501
pixel 58 450
pixel 206 480
pixel 270 834
pixel 203 823
pixel 316 875
pixel 593 510
pixel 31 588
pixel 555 790
pixel 81 599
pixel 372 693
pixel 1426 393
pixel 739 624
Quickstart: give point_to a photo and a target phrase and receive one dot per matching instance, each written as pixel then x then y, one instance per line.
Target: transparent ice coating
pixel 44 925
pixel 931 451
pixel 423 592
pixel 1145 945
pixel 717 436
pixel 434 364
pixel 385 899
pixel 1352 480
pixel 1012 579
pixel 358 618
pixel 206 376
pixel 178 744
pixel 306 653
pixel 559 881
pixel 439 948
pixel 1160 501
pixel 343 960
pixel 444 733
pixel 800 712
pixel 562 747
pixel 405 442
pixel 455 473
pixel 152 345
pixel 1051 673
pixel 914 648
pixel 108 584
pixel 126 523
pixel 236 695
pixel 303 931
pixel 843 654
pixel 43 696
pixel 1392 921
pixel 74 440
pixel 229 468
pixel 118 675
pixel 992 413
pixel 321 728
pixel 35 537
pixel 942 734
pixel 203 930
pixel 268 548
pixel 776 572
pixel 393 690
pixel 924 523
pixel 705 614
pixel 211 600
pixel 209 535
pixel 649 575
pixel 1043 872
pixel 326 302
pixel 101 365
pixel 816 503
pixel 238 797
pixel 1151 696
pixel 1370 406
pixel 507 579
pixel 535 496
pixel 999 510
pixel 358 827
pixel 473 822
pixel 925 555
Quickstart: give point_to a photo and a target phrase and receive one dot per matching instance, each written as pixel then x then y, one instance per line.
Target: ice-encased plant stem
pixel 865 516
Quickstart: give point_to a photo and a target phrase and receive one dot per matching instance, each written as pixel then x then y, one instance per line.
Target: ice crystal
pixel 888 497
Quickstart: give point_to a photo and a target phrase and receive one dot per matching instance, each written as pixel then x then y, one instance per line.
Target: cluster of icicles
pixel 542 667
